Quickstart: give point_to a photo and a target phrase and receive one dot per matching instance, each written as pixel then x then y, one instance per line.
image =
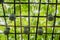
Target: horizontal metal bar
pixel 27 26
pixel 31 33
pixel 30 3
pixel 31 16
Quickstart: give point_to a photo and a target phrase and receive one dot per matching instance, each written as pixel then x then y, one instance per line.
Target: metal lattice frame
pixel 31 16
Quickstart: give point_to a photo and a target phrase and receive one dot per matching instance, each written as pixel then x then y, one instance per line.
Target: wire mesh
pixel 28 27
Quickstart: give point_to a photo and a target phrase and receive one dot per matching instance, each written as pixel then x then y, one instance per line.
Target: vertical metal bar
pixel 46 19
pixel 5 19
pixel 29 18
pixel 54 20
pixel 59 37
pixel 38 19
pixel 15 20
pixel 20 20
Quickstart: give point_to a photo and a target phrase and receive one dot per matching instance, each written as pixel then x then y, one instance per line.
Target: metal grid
pixel 39 3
